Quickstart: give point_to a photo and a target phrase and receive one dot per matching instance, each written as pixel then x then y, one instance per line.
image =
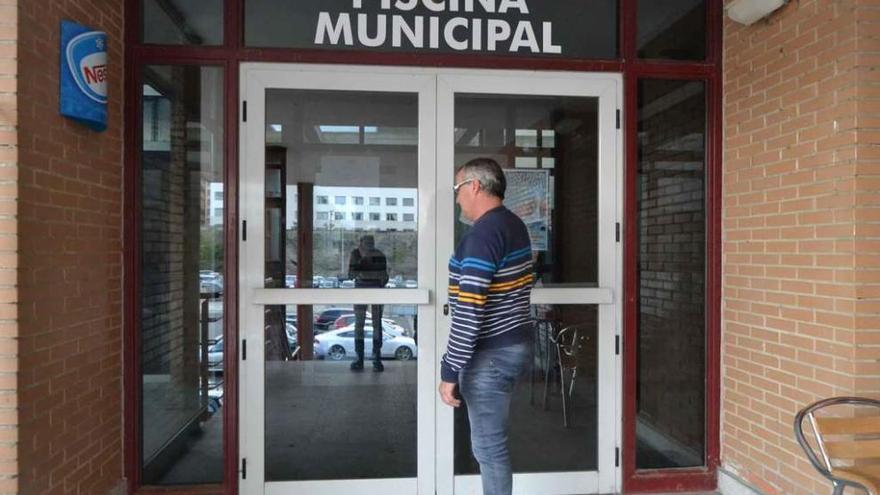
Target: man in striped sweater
pixel 490 281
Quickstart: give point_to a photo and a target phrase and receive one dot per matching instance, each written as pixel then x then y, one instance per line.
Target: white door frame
pixel 436 89
pixel 608 89
pixel 256 78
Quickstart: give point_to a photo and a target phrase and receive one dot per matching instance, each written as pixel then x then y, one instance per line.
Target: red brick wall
pixel 70 275
pixel 801 278
pixel 9 433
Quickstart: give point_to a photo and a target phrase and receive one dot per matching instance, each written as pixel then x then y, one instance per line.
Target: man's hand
pixel 447 394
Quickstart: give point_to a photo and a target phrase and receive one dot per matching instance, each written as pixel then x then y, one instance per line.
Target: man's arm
pixel 476 263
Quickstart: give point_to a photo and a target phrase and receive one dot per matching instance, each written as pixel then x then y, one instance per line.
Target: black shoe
pixel 357 365
pixel 378 366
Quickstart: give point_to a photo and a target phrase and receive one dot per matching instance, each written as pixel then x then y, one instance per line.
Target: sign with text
pixel 556 28
pixel 83 75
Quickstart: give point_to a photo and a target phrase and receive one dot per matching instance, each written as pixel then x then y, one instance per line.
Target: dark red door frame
pixel 232 53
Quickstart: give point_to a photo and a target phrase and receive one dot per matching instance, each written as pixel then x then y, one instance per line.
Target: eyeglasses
pixel 456 187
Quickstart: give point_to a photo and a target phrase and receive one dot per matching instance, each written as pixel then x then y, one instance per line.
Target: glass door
pixel 337 270
pixel 556 136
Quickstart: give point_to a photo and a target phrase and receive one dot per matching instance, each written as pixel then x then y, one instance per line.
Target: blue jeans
pixel 486 386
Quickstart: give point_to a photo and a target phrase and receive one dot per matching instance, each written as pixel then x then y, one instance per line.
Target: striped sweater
pixel 490 282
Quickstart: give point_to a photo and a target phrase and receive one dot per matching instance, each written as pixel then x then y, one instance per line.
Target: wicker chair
pixel 848 447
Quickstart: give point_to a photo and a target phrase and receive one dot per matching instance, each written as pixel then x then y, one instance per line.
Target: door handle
pixel 445 310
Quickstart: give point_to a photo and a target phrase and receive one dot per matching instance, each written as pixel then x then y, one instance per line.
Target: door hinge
pixel 244 349
pixel 617 345
pixel 618 119
pixel 244 111
pixel 244 468
pixel 244 230
pixel 445 310
pixel 617 232
pixel 616 456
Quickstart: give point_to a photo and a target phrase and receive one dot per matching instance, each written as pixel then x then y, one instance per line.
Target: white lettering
pixel 363 35
pixel 415 34
pixel 325 27
pixel 453 5
pixel 524 36
pixel 497 30
pixel 435 5
pixel 549 47
pixel 449 33
pixel 519 5
pixel 406 5
pixel 488 5
pixel 477 31
pixel 434 32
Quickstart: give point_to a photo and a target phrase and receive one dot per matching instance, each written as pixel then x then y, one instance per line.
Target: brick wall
pixel 800 229
pixel 70 269
pixel 8 248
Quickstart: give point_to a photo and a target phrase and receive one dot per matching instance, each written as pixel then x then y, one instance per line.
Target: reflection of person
pixel 369 268
pixel 490 279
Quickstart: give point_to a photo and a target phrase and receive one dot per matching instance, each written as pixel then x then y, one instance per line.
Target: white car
pixel 339 344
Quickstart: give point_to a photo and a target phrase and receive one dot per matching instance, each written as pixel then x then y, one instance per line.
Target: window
pixel 374 201
pixel 391 217
pixel 180 242
pixel 340 200
pixel 375 217
pixel 338 215
pixel 390 201
pixel 322 215
pixel 182 23
pixel 409 202
pixel 409 217
pixel 322 200
pixel 357 216
pixel 358 200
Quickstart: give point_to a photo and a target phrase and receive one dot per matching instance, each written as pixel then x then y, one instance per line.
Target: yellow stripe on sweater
pixel 513 284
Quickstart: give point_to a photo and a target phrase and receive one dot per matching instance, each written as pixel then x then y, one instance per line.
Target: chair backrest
pixel 850 444
pixel 574 345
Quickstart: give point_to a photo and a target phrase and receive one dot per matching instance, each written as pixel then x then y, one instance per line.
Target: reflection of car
pixel 347 284
pixel 410 284
pixel 388 325
pixel 215 356
pixel 339 344
pixel 290 280
pixel 210 287
pixel 328 283
pixel 328 316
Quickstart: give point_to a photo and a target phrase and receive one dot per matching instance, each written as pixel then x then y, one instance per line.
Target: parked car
pixel 388 324
pixel 329 283
pixel 210 288
pixel 337 345
pixel 347 284
pixel 290 280
pixel 411 284
pixel 328 316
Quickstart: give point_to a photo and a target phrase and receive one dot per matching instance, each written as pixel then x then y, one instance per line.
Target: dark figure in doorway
pixel 369 268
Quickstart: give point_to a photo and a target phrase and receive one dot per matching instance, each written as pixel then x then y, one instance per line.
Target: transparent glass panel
pixel 182 22
pixel 330 150
pixel 539 440
pixel 671 400
pixel 182 266
pixel 672 29
pixel 326 416
pixel 582 29
pixel 548 148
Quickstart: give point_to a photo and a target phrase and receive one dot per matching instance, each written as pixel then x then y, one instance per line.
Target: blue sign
pixel 84 75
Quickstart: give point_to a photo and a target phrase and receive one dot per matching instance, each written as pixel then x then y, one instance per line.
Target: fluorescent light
pixel 750 11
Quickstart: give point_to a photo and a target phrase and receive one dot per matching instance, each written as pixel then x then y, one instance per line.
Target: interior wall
pixel 70 265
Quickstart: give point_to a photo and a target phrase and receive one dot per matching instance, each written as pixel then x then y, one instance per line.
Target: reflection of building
pixel 348 208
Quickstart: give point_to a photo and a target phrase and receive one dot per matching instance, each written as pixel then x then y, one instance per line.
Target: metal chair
pixel 852 457
pixel 572 352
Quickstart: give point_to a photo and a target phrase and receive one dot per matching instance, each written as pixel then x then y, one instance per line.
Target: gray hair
pixel 488 173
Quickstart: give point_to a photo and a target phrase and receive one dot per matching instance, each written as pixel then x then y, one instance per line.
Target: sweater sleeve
pixel 475 263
